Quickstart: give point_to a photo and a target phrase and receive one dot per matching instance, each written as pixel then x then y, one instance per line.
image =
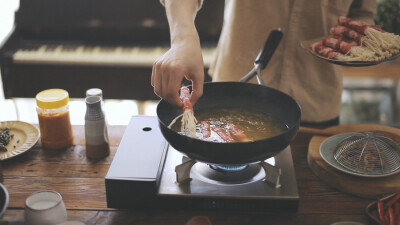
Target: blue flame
pixel 230 168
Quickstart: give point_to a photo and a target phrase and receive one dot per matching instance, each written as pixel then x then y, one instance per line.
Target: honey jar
pixel 54 122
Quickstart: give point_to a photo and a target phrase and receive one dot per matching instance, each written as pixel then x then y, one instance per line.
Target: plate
pixel 306 44
pixel 327 151
pixel 372 209
pixel 25 136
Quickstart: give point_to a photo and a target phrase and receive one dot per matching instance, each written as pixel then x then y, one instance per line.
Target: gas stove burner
pixel 227 168
pixel 227 175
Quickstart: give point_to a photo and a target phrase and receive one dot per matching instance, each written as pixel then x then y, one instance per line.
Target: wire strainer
pixel 368 153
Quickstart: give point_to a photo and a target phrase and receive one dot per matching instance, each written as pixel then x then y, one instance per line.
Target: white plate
pixel 327 151
pixel 25 136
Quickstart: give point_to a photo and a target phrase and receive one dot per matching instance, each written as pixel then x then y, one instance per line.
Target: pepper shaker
pixel 96 135
pixel 97 92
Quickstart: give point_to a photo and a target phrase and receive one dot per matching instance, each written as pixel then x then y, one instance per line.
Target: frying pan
pixel 238 95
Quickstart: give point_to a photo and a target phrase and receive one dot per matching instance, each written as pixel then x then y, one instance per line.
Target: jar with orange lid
pixel 54 122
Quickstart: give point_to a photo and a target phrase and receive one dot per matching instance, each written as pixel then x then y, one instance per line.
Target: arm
pixel 184 58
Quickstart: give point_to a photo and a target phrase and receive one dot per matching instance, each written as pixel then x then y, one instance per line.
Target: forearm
pixel 184 58
pixel 181 15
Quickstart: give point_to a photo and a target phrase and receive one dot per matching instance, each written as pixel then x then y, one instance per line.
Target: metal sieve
pixel 368 153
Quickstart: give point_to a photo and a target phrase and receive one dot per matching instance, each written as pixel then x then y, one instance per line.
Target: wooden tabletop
pixel 81 184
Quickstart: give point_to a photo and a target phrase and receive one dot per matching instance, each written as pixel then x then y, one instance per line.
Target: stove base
pixel 131 195
pixel 134 182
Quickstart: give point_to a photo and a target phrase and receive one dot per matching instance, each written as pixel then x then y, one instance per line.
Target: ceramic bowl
pixel 4 198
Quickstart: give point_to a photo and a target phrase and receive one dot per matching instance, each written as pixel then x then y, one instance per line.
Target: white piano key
pixel 97 55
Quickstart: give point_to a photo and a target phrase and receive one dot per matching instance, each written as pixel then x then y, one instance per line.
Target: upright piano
pixel 81 44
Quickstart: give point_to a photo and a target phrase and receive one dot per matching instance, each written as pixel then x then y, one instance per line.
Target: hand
pixel 184 59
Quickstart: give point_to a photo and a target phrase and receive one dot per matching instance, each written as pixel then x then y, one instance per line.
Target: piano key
pixel 42 48
pixel 50 48
pixel 107 49
pixel 98 55
pixel 69 48
pixel 88 48
pixel 126 49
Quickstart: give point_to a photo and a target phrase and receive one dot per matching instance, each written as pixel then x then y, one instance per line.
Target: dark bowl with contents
pixel 4 198
pixel 237 96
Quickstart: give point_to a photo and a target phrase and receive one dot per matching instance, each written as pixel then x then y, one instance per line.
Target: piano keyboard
pixel 97 55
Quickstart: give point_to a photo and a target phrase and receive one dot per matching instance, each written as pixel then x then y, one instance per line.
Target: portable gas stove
pixel 148 173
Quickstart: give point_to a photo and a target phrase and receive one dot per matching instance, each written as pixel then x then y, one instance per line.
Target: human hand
pixel 183 59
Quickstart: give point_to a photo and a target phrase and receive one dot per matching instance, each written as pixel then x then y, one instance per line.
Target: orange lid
pixel 52 98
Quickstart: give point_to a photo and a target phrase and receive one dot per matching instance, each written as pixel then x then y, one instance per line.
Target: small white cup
pixel 45 208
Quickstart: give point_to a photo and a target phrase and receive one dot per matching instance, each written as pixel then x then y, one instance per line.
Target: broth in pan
pixel 234 125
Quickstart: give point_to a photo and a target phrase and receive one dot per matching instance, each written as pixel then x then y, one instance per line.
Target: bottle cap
pixel 52 98
pixel 94 92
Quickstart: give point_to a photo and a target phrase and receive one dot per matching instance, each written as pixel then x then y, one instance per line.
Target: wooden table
pixel 81 183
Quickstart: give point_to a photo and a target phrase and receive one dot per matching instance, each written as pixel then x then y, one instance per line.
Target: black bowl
pixel 4 198
pixel 252 97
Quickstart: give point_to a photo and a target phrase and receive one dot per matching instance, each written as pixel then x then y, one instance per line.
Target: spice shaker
pixel 95 129
pixel 54 121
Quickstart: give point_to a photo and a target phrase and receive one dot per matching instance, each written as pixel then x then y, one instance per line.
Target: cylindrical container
pixel 54 122
pixel 95 129
pixel 45 208
pixel 97 92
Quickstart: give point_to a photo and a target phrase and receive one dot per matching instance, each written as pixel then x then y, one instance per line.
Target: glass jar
pixel 54 122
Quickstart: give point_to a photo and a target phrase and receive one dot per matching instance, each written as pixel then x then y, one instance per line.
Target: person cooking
pixel 315 84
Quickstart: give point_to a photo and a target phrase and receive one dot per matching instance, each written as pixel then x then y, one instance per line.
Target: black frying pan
pixel 248 96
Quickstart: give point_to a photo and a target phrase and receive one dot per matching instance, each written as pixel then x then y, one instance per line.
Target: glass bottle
pixel 54 120
pixel 95 129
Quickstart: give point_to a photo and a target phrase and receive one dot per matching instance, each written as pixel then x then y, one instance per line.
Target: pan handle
pixel 264 56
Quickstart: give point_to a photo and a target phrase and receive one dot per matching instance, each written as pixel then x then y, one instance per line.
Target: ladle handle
pixel 265 55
